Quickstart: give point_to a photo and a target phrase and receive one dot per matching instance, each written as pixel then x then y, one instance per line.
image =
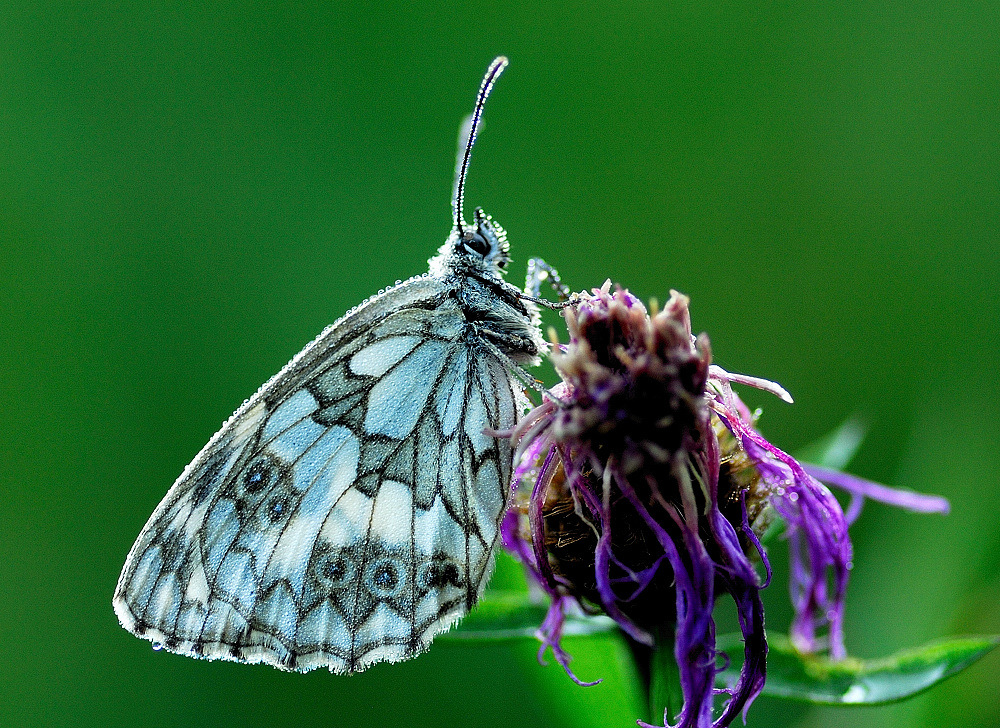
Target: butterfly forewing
pixel 347 513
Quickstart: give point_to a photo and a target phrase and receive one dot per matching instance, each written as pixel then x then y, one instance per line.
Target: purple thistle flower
pixel 643 486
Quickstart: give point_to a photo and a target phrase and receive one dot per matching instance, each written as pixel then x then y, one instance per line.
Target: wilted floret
pixel 644 487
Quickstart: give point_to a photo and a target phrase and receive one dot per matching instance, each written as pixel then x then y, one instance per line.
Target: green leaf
pixel 836 449
pixel 776 529
pixel 513 615
pixel 817 679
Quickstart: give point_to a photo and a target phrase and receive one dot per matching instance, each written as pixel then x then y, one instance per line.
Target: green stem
pixel 659 676
pixel 665 694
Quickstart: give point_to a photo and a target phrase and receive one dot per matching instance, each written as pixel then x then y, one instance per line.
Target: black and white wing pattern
pixel 347 513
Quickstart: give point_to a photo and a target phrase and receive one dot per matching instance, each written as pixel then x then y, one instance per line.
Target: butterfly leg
pixel 539 272
pixel 520 372
pixel 507 342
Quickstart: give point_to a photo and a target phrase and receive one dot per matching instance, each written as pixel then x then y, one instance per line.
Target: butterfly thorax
pixel 473 261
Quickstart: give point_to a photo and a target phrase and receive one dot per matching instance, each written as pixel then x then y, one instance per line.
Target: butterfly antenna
pixel 492 73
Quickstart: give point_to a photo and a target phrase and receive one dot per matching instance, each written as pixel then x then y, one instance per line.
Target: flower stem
pixel 665 695
pixel 657 668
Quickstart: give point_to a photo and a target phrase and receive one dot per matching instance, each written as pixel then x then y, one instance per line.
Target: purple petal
pixel 550 635
pixel 907 499
pixel 602 562
pixel 548 579
pixel 817 532
pixel 740 579
pixel 694 638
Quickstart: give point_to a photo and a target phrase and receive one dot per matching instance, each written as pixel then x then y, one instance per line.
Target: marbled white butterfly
pixel 347 512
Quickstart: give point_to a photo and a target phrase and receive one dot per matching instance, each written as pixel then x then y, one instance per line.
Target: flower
pixel 642 488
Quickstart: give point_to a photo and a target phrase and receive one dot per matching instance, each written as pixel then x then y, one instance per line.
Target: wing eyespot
pixel 279 508
pixel 334 570
pixel 258 477
pixel 262 475
pixel 385 578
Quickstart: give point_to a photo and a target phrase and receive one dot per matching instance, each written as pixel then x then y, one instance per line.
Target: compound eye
pixel 477 244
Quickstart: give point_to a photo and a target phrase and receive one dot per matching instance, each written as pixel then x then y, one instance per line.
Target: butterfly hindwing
pixel 347 513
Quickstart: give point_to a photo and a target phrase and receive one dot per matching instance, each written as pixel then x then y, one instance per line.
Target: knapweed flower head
pixel 643 487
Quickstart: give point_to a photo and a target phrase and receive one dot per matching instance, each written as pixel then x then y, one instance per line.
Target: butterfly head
pixel 484 241
pixel 479 248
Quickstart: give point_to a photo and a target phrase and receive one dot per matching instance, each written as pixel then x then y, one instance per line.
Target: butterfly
pixel 348 512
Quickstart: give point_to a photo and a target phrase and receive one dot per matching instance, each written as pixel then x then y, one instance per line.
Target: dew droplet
pixel 157 646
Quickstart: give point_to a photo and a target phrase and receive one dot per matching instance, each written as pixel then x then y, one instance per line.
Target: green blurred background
pixel 190 192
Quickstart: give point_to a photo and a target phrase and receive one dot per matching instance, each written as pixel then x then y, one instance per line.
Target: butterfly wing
pixel 347 513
